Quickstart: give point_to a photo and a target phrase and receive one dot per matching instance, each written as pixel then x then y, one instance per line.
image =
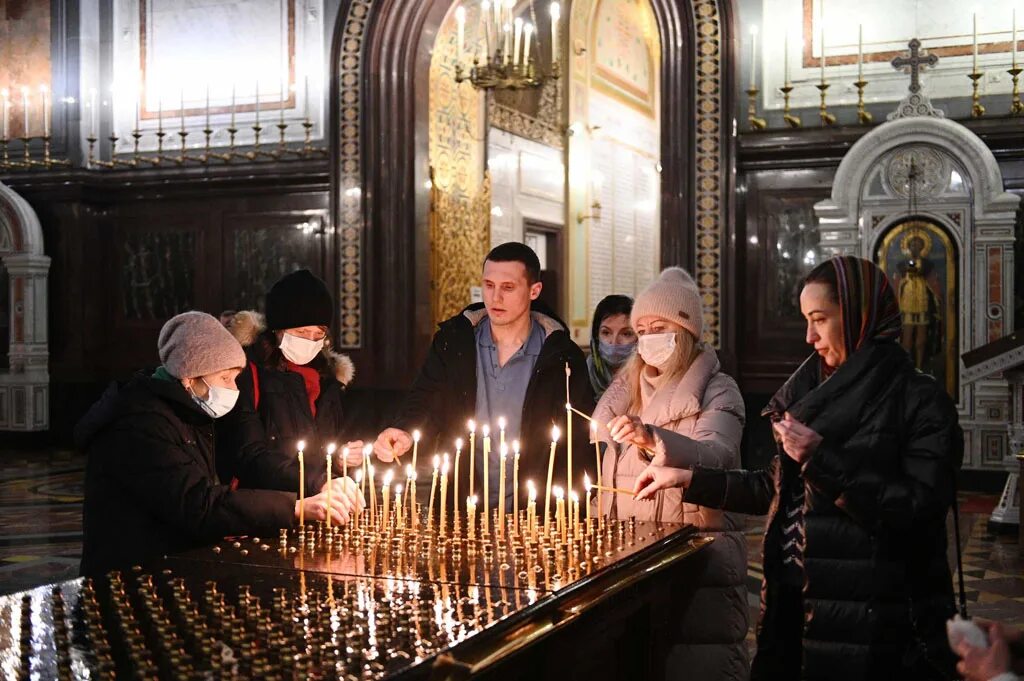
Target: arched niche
pixel 25 383
pixel 380 170
pixel 958 188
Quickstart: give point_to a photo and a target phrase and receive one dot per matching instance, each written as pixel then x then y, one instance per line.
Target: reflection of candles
pixel 860 52
pixel 472 455
pixel 415 446
pixel 24 109
pixel 555 433
pixel 501 490
pixel 487 477
pixel 444 495
pixel 433 488
pixel 517 40
pixel 515 484
pixel 586 486
pixel 456 497
pixel 556 13
pixel 302 483
pixel 975 23
pixel 527 34
pixel 330 465
pixel 460 21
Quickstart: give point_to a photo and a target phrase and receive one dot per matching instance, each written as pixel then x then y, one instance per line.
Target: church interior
pixel 164 156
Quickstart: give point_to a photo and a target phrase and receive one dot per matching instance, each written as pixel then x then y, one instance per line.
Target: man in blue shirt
pixel 504 358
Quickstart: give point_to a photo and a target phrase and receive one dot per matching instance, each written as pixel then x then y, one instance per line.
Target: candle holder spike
pixel 863 117
pixel 752 118
pixel 827 119
pixel 791 120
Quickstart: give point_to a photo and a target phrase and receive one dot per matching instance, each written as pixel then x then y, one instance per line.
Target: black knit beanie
pixel 299 299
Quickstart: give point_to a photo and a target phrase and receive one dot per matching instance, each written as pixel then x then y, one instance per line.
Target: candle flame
pixel 573 496
pixel 444 458
pixel 398 490
pixel 568 406
pixel 302 445
pixel 586 482
pixel 471 424
pixel 555 433
pixel 559 492
pixel 408 470
pixel 460 15
pixel 437 462
pixel 593 427
pixel 367 450
pixel 359 475
pixel 472 500
pixel 331 448
pixel 458 444
pixel 444 467
pixel 515 447
pixel 372 471
pixel 501 422
pixel 387 477
pixel 486 429
pixel 415 436
pixel 533 492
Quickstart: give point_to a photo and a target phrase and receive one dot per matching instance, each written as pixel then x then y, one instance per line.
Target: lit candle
pixel 460 21
pixel 822 41
pixel 471 516
pixel 181 102
pixel 472 455
pixel 575 501
pixel 860 52
pixel 137 107
pixel 415 446
pixel 207 126
pixel 531 510
pixel 360 483
pixel 785 59
pixel 515 484
pixel 975 24
pixel 160 114
pixel 330 465
pixel 555 433
pixel 302 483
pixel 586 486
pixel 485 25
pixel 410 481
pixel 487 477
pixel 517 41
pixel 305 100
pixel 444 495
pixel 371 475
pixel 597 460
pixel 280 120
pixel 433 488
pixel 344 460
pixel 501 431
pixel 24 108
pixel 257 96
pixel 399 508
pixel 386 492
pixel 568 430
pixel 753 57
pixel 6 95
pixel 556 13
pixel 94 117
pixel 501 491
pixel 45 92
pixel 560 511
pixel 456 497
pixel 527 35
pixel 1013 39
pixel 367 451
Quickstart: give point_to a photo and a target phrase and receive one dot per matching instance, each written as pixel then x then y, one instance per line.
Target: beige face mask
pixel 656 348
pixel 299 350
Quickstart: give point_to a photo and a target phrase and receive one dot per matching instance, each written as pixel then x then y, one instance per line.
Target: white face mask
pixel 656 349
pixel 299 350
pixel 219 401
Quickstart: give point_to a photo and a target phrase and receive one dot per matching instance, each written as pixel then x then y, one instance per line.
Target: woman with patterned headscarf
pixel 856 582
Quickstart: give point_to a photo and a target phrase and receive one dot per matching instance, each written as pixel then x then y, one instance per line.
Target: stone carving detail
pixel 931 171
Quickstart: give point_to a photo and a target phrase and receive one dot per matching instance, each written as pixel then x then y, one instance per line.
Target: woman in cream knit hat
pixel 672 404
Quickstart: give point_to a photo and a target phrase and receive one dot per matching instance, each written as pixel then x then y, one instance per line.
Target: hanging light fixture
pixel 511 47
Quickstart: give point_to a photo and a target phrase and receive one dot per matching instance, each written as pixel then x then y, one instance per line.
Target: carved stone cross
pixel 916 61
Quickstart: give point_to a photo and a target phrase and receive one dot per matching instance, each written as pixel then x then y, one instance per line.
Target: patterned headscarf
pixel 867 302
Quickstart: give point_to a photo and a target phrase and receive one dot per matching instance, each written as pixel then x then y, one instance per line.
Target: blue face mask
pixel 615 354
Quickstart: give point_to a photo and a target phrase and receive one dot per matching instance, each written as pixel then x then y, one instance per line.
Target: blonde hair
pixel 687 349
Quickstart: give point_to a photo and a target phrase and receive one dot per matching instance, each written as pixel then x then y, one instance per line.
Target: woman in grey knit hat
pixel 151 485
pixel 672 404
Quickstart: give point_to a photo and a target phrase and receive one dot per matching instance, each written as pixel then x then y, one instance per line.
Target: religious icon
pixel 920 260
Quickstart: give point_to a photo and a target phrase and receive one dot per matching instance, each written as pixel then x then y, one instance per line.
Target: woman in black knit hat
pixel 291 390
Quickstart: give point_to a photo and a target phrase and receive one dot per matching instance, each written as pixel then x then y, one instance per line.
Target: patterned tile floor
pixel 41 536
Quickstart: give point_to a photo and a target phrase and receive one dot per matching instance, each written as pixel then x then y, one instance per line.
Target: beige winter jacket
pixel 697 419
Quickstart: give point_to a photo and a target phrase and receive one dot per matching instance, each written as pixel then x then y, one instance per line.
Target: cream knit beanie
pixel 196 344
pixel 673 296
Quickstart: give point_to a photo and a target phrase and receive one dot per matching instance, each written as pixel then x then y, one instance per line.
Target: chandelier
pixel 509 47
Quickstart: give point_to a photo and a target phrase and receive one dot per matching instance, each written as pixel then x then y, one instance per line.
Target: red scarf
pixel 311 377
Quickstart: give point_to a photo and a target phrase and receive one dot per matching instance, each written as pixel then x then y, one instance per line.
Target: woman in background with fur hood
pixel 291 389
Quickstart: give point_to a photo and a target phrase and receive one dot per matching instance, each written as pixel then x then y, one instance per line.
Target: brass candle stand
pixel 863 117
pixel 752 118
pixel 827 119
pixel 977 110
pixel 25 161
pixel 791 120
pixel 1016 106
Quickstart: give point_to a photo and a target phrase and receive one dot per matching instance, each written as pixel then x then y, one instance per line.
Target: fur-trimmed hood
pixel 247 326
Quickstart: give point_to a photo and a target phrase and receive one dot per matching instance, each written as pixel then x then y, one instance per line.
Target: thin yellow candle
pixel 501 489
pixel 330 464
pixel 415 446
pixel 487 478
pixel 515 485
pixel 386 491
pixel 575 500
pixel 371 472
pixel 555 433
pixel 365 468
pixel 444 495
pixel 531 510
pixel 433 488
pixel 359 481
pixel 586 486
pixel 456 497
pixel 597 460
pixel 501 430
pixel 471 516
pixel 472 455
pixel 302 483
pixel 399 509
pixel 344 461
pixel 410 486
pixel 568 430
pixel 559 512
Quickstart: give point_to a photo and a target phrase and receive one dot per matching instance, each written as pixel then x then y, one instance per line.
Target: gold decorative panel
pixel 460 192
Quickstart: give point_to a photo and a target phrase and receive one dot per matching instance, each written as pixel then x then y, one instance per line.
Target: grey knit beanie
pixel 196 344
pixel 673 296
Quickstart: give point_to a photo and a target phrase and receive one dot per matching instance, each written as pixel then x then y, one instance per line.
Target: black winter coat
pixel 257 442
pixel 877 585
pixel 151 485
pixel 443 397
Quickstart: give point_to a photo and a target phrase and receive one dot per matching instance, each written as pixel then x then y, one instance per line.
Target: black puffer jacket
pixel 257 440
pixel 877 584
pixel 443 396
pixel 151 485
